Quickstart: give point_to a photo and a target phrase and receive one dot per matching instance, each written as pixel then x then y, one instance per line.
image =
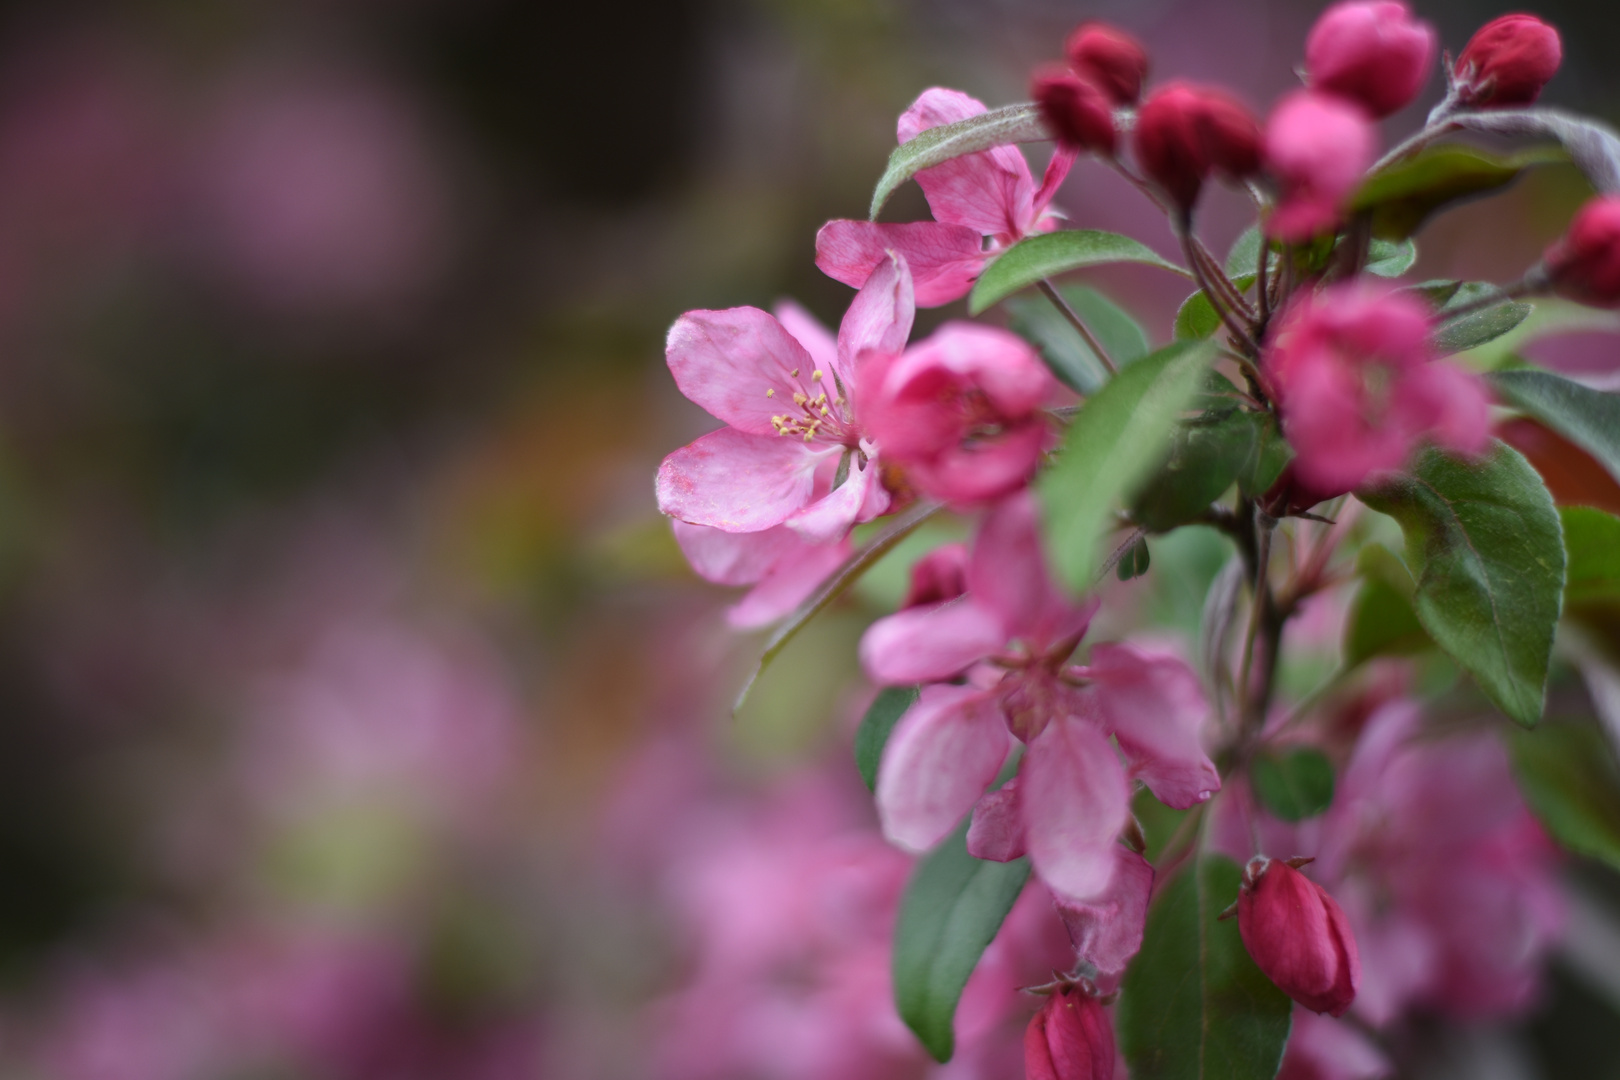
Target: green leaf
pixel 1437 292
pixel 873 734
pixel 1271 455
pixel 1402 195
pixel 1047 254
pixel 1116 439
pixel 1206 456
pixel 1591 146
pixel 1592 545
pixel 953 906
pixel 998 127
pixel 834 587
pixel 1197 318
pixel 1567 775
pixel 1381 622
pixel 1243 260
pixel 1038 321
pixel 1135 562
pixel 1293 786
pixel 1588 418
pixel 1391 258
pixel 1485 545
pixel 1488 324
pixel 1194 1006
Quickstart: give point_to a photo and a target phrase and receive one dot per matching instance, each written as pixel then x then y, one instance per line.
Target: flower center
pixel 812 415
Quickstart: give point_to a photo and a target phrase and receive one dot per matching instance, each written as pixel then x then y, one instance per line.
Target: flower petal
pixel 879 320
pixel 788 584
pixel 808 331
pixel 1154 705
pixel 728 558
pixel 831 517
pixel 927 644
pixel 990 191
pixel 943 754
pixel 1075 802
pixel 726 361
pixel 1007 574
pixel 944 260
pixel 1107 930
pixel 738 482
pixel 997 832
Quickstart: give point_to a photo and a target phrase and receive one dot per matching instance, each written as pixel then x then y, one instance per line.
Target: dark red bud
pixel 1186 132
pixel 1110 58
pixel 1069 1039
pixel 1508 62
pixel 938 576
pixel 1298 936
pixel 1076 111
pixel 1585 265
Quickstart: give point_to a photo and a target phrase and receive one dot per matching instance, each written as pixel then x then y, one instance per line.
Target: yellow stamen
pixel 771 392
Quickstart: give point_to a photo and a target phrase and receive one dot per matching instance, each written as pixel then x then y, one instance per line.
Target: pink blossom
pixel 1352 370
pixel 1013 633
pixel 791 427
pixel 1372 52
pixel 988 196
pixel 938 576
pixel 1321 1048
pixel 962 412
pixel 782 567
pixel 1317 147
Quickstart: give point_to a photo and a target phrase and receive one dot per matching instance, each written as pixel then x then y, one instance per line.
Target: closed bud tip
pixel 1185 132
pixel 1078 113
pixel 1298 936
pixel 1372 52
pixel 1070 1038
pixel 1507 62
pixel 1584 265
pixel 1109 58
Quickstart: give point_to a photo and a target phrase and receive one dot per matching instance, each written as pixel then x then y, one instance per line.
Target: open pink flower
pixel 784 393
pixel 1013 633
pixel 962 412
pixel 977 197
pixel 1354 373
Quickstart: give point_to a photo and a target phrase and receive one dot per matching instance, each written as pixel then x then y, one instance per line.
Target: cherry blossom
pixel 982 203
pixel 783 391
pixel 1012 634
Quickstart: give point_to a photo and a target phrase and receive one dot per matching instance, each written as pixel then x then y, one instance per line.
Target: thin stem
pixel 1262 292
pixel 1229 291
pixel 1079 324
pixel 1239 334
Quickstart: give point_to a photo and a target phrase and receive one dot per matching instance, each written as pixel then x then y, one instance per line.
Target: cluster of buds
pixel 1105 72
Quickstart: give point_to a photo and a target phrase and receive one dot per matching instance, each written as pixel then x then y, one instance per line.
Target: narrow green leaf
pixel 1116 439
pixel 1400 197
pixel 1391 258
pixel 1592 545
pixel 1484 542
pixel 1035 319
pixel 1136 561
pixel 1194 1006
pixel 1206 456
pixel 1243 260
pixel 834 587
pixel 1472 331
pixel 1592 146
pixel 1197 318
pixel 998 127
pixel 1437 292
pixel 1588 418
pixel 1568 777
pixel 1047 254
pixel 876 726
pixel 953 906
pixel 1293 786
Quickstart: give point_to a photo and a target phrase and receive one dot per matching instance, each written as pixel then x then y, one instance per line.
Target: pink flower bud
pixel 1585 264
pixel 1372 52
pixel 1317 147
pixel 938 576
pixel 1110 58
pixel 1298 936
pixel 1508 62
pixel 1076 111
pixel 1186 132
pixel 1069 1039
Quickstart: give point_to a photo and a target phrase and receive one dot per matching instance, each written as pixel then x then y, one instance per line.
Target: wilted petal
pixel 726 361
pixel 1154 705
pixel 788 584
pixel 1107 930
pixel 944 260
pixel 739 482
pixel 879 320
pixel 926 644
pixel 1076 801
pixel 942 755
pixel 997 832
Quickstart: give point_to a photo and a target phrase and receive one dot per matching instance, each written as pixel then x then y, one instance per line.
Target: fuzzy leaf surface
pixel 1047 254
pixel 1009 124
pixel 1588 418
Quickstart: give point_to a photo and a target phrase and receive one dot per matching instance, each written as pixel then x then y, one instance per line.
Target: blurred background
pixel 358 715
